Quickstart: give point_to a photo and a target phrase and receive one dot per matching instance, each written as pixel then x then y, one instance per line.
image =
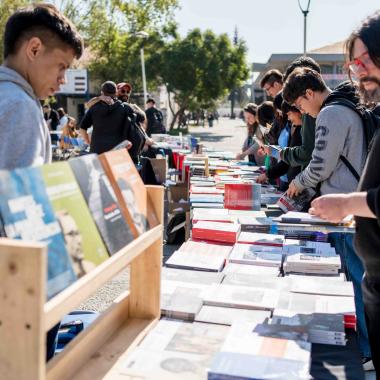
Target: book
pixel 242 196
pixel 260 280
pixel 261 239
pixel 206 248
pixel 102 202
pixel 247 254
pixel 228 315
pixel 303 217
pixel 207 205
pixel 251 270
pixel 223 232
pixel 316 286
pixel 247 355
pixel 274 151
pixel 82 238
pixel 191 276
pixel 249 224
pixel 312 263
pixel 206 198
pixel 194 189
pixel 321 328
pixel 182 259
pixel 27 214
pixel 240 297
pixel 129 189
pixel 297 203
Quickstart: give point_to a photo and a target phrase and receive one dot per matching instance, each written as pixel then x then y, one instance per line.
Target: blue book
pixel 27 214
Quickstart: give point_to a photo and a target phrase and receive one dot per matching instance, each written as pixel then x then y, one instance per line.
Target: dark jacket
pixel 301 155
pixel 108 122
pixel 154 121
pixel 282 167
pixel 367 237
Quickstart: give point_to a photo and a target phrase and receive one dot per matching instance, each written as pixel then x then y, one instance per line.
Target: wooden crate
pixel 97 352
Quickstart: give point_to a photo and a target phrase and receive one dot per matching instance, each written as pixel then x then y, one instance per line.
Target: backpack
pixel 370 123
pixel 134 133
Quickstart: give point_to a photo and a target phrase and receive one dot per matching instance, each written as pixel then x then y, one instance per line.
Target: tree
pixel 201 68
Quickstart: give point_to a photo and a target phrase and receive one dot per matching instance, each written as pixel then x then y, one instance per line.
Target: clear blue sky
pixel 276 26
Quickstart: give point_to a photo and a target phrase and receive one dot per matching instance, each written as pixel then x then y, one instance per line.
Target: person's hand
pixel 331 207
pixel 261 152
pixel 292 191
pixel 262 178
pixel 266 149
pixel 240 156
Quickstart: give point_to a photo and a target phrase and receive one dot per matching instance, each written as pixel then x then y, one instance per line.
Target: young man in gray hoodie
pixel 39 46
pixel 339 136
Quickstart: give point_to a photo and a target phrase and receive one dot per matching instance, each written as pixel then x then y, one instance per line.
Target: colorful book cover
pixel 129 188
pixel 28 215
pixel 215 231
pixel 242 196
pixel 82 238
pixel 102 202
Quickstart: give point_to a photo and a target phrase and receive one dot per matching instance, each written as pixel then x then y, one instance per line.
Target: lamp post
pixel 305 12
pixel 143 35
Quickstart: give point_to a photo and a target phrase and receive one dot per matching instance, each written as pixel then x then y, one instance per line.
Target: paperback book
pixel 27 214
pixel 214 231
pixel 242 196
pixel 297 203
pixel 261 239
pixel 247 254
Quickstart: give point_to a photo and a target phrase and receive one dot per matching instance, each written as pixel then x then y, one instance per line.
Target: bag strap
pixel 350 167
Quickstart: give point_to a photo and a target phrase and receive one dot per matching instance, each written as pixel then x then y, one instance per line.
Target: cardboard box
pixel 160 167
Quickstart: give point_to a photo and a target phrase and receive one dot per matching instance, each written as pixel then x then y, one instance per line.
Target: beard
pixel 370 97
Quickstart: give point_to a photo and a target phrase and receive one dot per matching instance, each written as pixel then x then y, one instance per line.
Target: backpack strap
pixel 350 167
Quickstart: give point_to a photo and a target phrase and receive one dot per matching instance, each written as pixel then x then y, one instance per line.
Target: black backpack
pixel 134 133
pixel 370 123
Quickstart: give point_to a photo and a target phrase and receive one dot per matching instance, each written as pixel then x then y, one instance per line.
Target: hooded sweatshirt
pixel 24 135
pixel 338 131
pixel 108 122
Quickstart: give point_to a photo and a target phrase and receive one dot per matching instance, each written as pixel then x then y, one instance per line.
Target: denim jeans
pixel 353 268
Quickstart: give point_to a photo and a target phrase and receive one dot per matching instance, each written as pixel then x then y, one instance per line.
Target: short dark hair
pixel 265 113
pixel 109 88
pixel 369 33
pixel 300 80
pixel 150 100
pixel 286 107
pixel 251 108
pixel 302 62
pixel 45 22
pixel 271 77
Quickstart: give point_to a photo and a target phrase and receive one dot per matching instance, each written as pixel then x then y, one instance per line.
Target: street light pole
pixel 305 12
pixel 143 35
pixel 143 75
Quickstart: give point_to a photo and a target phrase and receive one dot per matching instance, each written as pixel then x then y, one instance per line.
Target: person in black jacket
pixel 281 167
pixel 154 118
pixel 363 48
pixel 108 122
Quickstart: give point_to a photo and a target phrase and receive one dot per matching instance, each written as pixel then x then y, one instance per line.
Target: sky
pixel 275 26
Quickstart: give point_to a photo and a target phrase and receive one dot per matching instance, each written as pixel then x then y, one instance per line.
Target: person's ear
pixel 34 48
pixel 309 94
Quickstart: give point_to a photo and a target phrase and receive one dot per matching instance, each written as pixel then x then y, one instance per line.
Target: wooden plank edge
pixel 79 291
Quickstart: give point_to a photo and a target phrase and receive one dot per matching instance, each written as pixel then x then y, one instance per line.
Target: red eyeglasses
pixel 360 62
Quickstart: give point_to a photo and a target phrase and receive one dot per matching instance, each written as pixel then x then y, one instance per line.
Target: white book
pixel 258 281
pixel 261 239
pixel 247 254
pixel 310 261
pixel 251 270
pixel 207 205
pixel 196 261
pixel 243 297
pixel 316 286
pixel 304 217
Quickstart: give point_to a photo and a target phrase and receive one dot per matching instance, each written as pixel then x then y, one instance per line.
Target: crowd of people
pixel 314 137
pixel 325 139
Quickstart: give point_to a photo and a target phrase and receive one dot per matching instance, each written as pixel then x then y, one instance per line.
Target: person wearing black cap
pixel 107 120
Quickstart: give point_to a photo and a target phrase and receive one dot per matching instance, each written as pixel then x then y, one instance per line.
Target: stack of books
pixel 312 263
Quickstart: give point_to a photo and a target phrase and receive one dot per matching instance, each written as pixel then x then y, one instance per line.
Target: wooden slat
pixel 106 362
pixel 71 297
pixel 78 351
pixel 22 296
pixel 145 275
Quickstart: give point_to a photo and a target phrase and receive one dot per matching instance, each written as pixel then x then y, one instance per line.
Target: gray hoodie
pixel 339 131
pixel 24 136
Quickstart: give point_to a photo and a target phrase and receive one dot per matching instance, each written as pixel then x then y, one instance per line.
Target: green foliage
pixel 201 68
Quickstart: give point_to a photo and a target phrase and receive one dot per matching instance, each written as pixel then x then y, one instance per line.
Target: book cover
pixel 261 239
pixel 28 215
pixel 242 196
pixel 102 202
pixel 191 276
pixel 128 187
pixel 82 238
pixel 251 270
pixel 297 203
pixel 247 254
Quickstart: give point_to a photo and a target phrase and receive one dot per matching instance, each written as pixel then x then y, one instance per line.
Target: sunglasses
pixel 267 88
pixel 358 63
pixel 124 92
